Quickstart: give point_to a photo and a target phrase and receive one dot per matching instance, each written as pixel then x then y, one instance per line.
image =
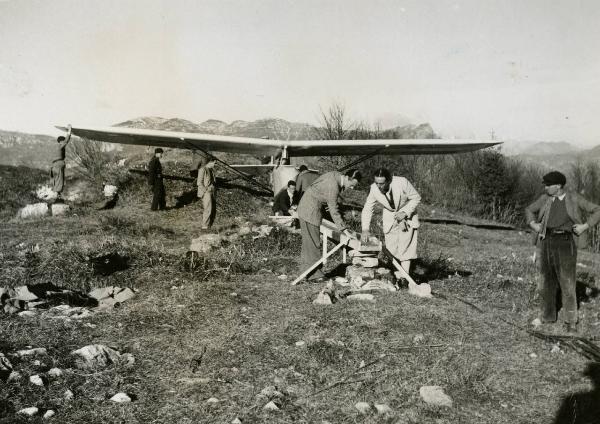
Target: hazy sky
pixel 526 69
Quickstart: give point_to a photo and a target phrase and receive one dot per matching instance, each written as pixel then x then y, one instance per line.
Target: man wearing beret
pixel 557 219
pixel 155 179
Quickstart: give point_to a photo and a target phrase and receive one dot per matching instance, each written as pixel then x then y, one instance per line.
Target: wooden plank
pixel 316 264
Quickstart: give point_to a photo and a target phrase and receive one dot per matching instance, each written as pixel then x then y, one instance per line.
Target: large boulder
pixel 36 210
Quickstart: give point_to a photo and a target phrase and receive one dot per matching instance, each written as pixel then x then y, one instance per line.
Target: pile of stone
pixel 54 302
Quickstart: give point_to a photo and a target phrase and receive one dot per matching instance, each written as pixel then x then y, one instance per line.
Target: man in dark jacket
pixel 323 192
pixel 557 219
pixel 155 179
pixel 304 179
pixel 286 199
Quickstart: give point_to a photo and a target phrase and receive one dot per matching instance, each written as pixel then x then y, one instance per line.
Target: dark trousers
pixel 311 248
pixel 558 263
pixel 158 196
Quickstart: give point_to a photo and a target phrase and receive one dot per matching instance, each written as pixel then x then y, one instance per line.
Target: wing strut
pixel 235 171
pixel 360 159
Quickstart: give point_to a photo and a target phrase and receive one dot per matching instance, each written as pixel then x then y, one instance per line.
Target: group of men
pixel 556 217
pixel 395 195
pixel 202 170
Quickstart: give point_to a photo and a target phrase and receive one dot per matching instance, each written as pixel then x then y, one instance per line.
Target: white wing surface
pixel 265 147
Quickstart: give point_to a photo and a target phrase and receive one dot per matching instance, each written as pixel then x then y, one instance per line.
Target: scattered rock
pixel 434 395
pixel 109 297
pixel 270 393
pixel 283 277
pixel 383 408
pixel 322 299
pixel 46 193
pixel 271 406
pixel 31 352
pixel 536 323
pixel 362 297
pixel 121 398
pixel 37 380
pixel 212 400
pixel 236 421
pixel 68 395
pixel 556 349
pixel 419 338
pixel 300 343
pixel 36 210
pixel 533 355
pixel 55 372
pixel 97 356
pixel 362 407
pixel 14 376
pixel 27 314
pixel 128 359
pixel 341 281
pixel 31 411
pixel 59 209
pixel 263 231
pixel 206 242
pixel 420 290
pixel 49 414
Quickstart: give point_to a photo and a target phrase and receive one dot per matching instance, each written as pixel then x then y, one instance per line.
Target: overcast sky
pixel 526 69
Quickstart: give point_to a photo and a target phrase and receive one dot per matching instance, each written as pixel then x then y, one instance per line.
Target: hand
pixel 580 228
pixel 536 226
pixel 365 236
pixel 400 215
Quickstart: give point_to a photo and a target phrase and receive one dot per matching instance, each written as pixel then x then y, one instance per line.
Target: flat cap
pixel 554 177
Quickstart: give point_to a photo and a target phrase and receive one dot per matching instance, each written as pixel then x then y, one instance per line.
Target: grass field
pixel 229 328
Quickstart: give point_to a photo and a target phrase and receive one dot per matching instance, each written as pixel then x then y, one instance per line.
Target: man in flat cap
pixel 557 219
pixel 155 179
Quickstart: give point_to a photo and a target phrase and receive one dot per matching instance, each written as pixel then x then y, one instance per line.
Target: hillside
pixel 216 338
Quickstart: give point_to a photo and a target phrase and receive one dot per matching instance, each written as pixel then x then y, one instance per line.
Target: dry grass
pixel 236 324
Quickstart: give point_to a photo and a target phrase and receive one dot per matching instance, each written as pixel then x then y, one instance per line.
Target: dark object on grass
pixel 58 296
pixel 107 264
pixel 579 344
pixel 107 203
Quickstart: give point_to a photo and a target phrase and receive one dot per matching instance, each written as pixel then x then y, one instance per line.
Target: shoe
pixel 570 328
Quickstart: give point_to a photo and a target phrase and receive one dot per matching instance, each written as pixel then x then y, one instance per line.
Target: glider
pixel 280 149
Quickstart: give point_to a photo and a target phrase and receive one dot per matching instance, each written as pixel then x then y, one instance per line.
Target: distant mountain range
pixel 273 128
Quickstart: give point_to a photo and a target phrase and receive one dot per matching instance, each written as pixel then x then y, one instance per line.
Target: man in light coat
pixel 324 191
pixel 206 192
pixel 399 201
pixel 557 219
